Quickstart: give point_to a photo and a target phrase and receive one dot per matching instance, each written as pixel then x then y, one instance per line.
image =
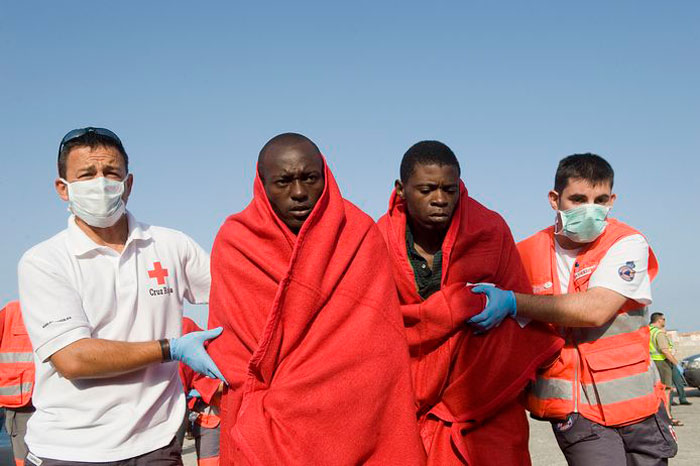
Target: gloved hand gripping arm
pixel 499 305
pixel 189 349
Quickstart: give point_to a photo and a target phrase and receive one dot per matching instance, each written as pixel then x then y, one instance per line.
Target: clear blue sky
pixel 196 88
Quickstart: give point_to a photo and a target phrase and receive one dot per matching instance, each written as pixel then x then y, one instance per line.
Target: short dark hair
pixel 284 140
pixel 589 167
pixel 427 153
pixel 93 141
pixel 656 316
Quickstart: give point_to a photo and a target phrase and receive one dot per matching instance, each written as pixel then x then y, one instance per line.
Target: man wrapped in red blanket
pixel 467 386
pixel 313 348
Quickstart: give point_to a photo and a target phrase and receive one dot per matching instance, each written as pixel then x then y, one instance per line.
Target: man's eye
pixel 424 191
pixel 312 178
pixel 281 183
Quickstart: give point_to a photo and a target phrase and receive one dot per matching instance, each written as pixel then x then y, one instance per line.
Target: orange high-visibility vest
pixel 604 373
pixel 16 359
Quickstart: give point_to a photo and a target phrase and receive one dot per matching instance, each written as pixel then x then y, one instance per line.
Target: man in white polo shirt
pixel 102 302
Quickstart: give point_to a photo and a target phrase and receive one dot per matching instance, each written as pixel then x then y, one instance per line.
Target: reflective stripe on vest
pixel 622 323
pixel 614 391
pixel 15 390
pixel 9 358
pixel 604 373
pixel 656 355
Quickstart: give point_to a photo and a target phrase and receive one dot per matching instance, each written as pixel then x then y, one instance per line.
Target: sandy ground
pixel 545 452
pixel 544 449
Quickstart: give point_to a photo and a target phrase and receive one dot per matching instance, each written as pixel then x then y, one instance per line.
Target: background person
pixel 679 381
pixel 203 416
pixel 591 277
pixel 661 352
pixel 102 302
pixel 16 377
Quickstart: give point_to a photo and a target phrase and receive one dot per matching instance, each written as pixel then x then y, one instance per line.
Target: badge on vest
pixel 627 271
pixel 584 272
pixel 537 289
pixel 563 426
pixel 31 458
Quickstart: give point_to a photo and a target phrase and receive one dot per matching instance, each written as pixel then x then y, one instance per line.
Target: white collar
pixel 80 243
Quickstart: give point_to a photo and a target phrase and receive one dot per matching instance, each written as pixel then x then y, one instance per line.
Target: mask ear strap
pixel 558 223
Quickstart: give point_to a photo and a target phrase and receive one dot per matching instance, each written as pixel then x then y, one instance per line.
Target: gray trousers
pixel 206 441
pixel 649 442
pixel 16 427
pixel 169 455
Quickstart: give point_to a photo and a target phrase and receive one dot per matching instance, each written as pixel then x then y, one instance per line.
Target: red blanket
pixel 313 347
pixel 465 381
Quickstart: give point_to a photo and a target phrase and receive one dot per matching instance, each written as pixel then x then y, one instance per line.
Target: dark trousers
pixel 16 425
pixel 169 455
pixel 649 442
pixel 679 383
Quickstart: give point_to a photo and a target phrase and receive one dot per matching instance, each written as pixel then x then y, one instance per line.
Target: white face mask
pixel 98 202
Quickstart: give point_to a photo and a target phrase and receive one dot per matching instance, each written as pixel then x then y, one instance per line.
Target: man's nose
pixel 298 192
pixel 439 200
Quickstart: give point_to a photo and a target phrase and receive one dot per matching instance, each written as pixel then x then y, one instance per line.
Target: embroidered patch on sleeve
pixel 627 271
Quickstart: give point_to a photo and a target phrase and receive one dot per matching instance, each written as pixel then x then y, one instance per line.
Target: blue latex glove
pixel 499 305
pixel 190 350
pixel 680 368
pixel 194 394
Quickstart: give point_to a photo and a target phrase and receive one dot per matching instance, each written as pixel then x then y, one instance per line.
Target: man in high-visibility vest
pixel 16 377
pixel 590 278
pixel 660 349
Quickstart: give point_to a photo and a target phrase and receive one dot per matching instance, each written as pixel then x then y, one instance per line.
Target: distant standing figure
pixel 660 349
pixel 203 411
pixel 16 377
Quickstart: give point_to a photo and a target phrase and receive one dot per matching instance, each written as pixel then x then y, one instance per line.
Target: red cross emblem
pixel 159 273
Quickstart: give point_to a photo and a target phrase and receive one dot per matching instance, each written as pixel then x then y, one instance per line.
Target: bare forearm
pixel 97 358
pixel 588 309
pixel 559 310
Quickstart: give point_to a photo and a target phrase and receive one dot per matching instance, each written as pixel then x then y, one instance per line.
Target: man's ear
pixel 399 189
pixel 128 184
pixel 61 189
pixel 554 199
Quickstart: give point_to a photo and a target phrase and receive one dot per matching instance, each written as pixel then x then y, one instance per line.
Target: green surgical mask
pixel 582 224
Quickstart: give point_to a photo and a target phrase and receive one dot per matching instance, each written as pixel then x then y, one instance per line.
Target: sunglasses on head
pixel 80 132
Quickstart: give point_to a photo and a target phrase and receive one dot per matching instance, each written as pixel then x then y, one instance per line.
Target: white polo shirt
pixel 72 288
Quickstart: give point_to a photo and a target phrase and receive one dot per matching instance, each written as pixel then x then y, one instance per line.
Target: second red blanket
pixel 460 378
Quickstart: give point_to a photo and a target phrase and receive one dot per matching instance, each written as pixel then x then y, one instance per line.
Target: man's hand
pixel 499 305
pixel 190 350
